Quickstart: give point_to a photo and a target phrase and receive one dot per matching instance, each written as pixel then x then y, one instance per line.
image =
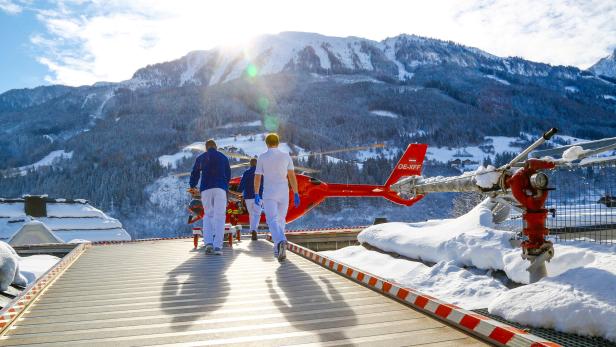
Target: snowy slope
pixel 250 145
pixel 49 160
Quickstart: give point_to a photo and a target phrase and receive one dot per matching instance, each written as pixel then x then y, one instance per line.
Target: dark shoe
pixel 209 248
pixel 282 250
pixel 253 235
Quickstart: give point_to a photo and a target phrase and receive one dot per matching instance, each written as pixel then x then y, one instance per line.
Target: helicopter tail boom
pixel 410 164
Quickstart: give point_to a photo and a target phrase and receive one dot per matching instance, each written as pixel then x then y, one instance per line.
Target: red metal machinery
pixel 529 187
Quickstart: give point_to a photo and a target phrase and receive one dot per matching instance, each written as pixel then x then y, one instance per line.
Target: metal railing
pixel 582 206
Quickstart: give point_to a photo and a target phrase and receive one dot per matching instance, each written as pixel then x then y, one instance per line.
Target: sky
pixel 79 42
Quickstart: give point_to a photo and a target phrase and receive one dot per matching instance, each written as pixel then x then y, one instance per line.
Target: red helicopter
pixel 313 191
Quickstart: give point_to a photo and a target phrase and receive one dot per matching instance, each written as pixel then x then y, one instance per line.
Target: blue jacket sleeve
pixel 227 170
pixel 196 172
pixel 242 183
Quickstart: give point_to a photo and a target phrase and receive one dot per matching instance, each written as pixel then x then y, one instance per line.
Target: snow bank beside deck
pixel 577 297
pixel 34 266
pixel 470 288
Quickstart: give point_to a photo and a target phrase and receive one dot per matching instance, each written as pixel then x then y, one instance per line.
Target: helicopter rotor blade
pixel 341 150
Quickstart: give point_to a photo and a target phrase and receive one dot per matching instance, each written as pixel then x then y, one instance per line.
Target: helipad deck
pixel 159 292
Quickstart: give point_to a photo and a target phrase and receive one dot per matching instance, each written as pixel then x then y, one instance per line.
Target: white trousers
pixel 276 213
pixel 254 213
pixel 215 204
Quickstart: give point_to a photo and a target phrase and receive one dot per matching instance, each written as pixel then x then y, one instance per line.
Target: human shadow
pixel 196 288
pixel 308 301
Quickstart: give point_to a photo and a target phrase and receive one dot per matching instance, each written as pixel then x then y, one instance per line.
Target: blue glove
pixel 296 200
pixel 257 199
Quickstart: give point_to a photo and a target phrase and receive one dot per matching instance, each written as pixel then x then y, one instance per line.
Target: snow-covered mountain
pixel 606 66
pixel 391 59
pixel 319 92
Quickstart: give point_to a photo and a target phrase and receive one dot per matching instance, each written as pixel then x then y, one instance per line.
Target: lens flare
pixel 252 71
pixel 263 104
pixel 270 123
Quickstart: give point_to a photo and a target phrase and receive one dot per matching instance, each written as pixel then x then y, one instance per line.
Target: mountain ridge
pixel 606 66
pixel 318 92
pixel 197 60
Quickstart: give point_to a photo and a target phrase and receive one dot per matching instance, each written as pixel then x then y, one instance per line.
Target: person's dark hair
pixel 272 140
pixel 253 162
pixel 210 144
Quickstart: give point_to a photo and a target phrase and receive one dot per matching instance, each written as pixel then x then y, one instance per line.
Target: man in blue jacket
pixel 247 187
pixel 215 172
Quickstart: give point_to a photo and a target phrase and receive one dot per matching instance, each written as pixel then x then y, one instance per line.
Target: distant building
pixel 68 220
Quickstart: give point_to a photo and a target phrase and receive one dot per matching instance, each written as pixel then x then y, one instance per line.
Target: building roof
pixel 67 219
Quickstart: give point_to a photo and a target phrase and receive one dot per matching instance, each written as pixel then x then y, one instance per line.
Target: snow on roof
pixel 67 219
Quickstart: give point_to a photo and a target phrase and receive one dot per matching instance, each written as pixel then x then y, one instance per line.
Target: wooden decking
pixel 161 293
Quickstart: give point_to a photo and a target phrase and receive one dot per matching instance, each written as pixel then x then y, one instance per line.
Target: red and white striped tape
pixel 106 243
pixel 482 326
pixel 28 295
pixel 334 229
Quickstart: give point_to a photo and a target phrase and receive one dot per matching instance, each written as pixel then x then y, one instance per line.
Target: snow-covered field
pixel 577 297
pixel 250 145
pixel 48 160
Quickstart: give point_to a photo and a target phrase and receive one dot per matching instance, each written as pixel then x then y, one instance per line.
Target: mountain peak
pixel 605 66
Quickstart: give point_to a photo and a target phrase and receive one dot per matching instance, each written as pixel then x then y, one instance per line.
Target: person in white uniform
pixel 276 168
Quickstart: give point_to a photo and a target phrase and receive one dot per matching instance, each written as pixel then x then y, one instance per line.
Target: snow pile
pixel 468 240
pixel 22 271
pixel 35 266
pixel 473 288
pixel 577 297
pixel 486 177
pixel 9 267
pixel 573 153
pixel 578 300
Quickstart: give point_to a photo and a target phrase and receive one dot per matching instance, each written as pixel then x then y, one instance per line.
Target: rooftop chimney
pixel 35 205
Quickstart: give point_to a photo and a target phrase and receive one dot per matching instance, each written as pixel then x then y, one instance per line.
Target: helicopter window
pixel 315 181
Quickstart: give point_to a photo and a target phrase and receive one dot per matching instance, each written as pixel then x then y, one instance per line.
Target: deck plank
pixel 161 293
